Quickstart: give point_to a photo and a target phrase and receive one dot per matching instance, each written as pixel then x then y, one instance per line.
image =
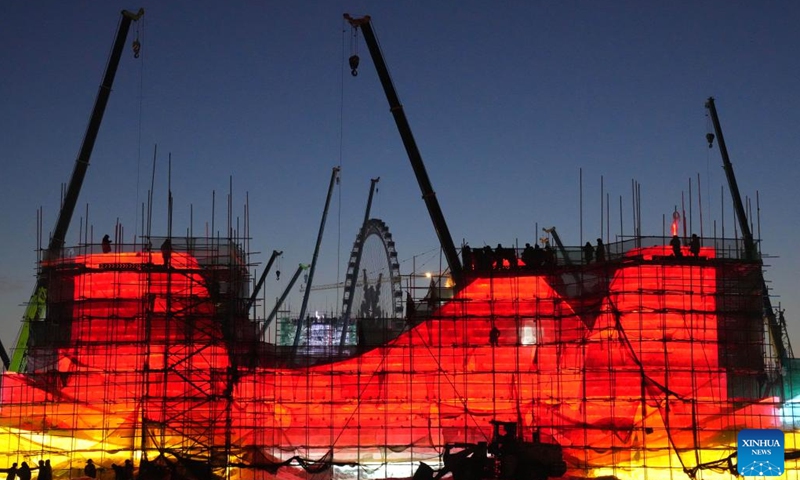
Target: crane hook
pixel 136 48
pixel 354 65
pixel 710 139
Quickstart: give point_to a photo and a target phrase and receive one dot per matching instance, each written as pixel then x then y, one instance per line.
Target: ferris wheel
pixel 372 290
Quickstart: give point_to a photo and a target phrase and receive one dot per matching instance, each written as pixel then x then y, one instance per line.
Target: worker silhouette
pixel 675 243
pixel 511 256
pixel 494 336
pixel 12 472
pixel 24 472
pixel 166 251
pixel 549 254
pixel 90 470
pixel 487 259
pixel 528 256
pixel 538 255
pixel 106 244
pixel 411 308
pixel 128 470
pixel 694 245
pixel 45 470
pixel 42 471
pixel 499 256
pixel 600 251
pixel 588 253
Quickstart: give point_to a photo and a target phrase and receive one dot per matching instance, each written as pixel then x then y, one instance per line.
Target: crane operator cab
pixel 506 457
pixel 522 460
pixel 504 437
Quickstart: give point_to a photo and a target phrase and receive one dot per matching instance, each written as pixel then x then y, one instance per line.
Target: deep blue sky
pixel 507 105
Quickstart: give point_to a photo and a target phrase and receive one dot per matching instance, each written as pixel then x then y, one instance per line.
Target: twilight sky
pixel 507 105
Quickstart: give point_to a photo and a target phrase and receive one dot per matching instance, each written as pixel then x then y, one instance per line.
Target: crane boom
pixel 428 194
pixel 280 301
pixel 334 178
pixel 747 234
pixel 58 237
pixel 263 277
pixel 82 162
pixel 775 326
pixel 561 248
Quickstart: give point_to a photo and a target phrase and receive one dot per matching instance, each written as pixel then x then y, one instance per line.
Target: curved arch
pixel 373 293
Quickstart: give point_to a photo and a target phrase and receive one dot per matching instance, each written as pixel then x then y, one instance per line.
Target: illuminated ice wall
pixel 643 365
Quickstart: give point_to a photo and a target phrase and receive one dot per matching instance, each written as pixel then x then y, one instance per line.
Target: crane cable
pixel 341 156
pixel 137 47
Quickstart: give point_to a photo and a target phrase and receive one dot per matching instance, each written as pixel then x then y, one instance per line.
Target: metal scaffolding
pixel 645 363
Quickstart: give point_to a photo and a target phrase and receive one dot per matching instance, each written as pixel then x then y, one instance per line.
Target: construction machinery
pixel 428 194
pixel 36 305
pixel 775 323
pixel 507 456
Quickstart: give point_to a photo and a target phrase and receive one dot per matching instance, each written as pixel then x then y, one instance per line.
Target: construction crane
pixel 507 456
pixel 257 289
pixel 328 286
pixel 280 301
pixel 353 268
pixel 428 194
pixel 747 235
pixel 36 305
pixel 334 179
pixel 776 325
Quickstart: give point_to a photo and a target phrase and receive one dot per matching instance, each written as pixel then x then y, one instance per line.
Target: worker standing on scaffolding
pixel 600 251
pixel 675 243
pixel 694 245
pixel 588 253
pixel 166 251
pixel 106 244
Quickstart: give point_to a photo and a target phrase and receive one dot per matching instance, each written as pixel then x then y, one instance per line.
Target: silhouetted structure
pixel 466 255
